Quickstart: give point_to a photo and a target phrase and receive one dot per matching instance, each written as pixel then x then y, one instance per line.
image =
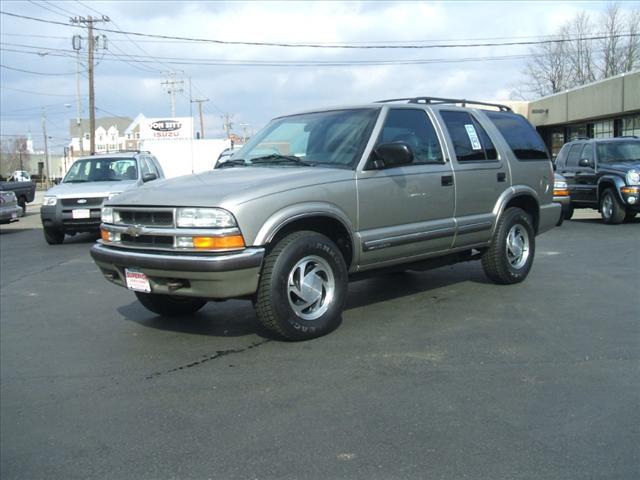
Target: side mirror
pixel 584 162
pixel 147 177
pixel 394 154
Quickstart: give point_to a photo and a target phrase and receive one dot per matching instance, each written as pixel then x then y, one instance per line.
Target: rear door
pixel 585 176
pixel 480 175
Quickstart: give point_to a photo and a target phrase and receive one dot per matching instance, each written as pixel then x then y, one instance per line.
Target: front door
pixel 406 211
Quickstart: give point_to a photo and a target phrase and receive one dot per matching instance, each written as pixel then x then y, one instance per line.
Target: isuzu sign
pixel 166 128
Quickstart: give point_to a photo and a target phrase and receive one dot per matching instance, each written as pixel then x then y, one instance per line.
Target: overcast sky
pixel 254 93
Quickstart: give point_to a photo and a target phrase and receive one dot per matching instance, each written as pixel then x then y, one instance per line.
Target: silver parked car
pixel 319 197
pixel 9 208
pixel 74 205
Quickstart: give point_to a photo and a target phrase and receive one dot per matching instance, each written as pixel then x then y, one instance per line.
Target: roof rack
pixel 579 138
pixel 438 100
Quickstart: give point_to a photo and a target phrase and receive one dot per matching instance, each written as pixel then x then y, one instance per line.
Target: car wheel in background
pixel 568 213
pixel 510 255
pixel 22 203
pixel 169 305
pixel 611 208
pixel 303 287
pixel 53 236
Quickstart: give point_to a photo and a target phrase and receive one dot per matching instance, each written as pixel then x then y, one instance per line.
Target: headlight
pixel 111 195
pixel 107 215
pixel 560 185
pixel 49 201
pixel 633 177
pixel 204 217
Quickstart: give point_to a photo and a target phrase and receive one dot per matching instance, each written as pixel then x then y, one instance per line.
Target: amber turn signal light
pixel 561 193
pixel 219 243
pixel 104 235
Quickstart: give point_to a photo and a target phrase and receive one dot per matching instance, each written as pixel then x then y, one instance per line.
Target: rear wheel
pixel 510 256
pixel 611 208
pixel 170 305
pixel 53 236
pixel 303 287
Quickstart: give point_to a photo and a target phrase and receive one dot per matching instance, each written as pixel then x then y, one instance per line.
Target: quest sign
pixel 166 128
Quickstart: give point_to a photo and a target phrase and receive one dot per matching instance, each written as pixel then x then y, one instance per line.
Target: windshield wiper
pixel 277 158
pixel 232 163
pixel 75 181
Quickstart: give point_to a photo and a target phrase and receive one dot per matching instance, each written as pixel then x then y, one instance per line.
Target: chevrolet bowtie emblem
pixel 135 230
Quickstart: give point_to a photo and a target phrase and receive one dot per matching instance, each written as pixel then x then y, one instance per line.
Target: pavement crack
pixel 218 354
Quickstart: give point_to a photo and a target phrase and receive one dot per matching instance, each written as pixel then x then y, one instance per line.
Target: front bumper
pixel 60 217
pixel 631 197
pixel 213 276
pixel 549 216
pixel 564 201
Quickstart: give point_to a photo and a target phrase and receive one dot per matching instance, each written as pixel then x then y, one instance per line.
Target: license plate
pixel 137 281
pixel 81 213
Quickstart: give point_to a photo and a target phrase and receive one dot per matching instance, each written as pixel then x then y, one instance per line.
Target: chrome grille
pixel 149 218
pixel 88 202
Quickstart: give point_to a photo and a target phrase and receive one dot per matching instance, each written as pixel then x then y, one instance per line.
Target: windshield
pixel 612 152
pixel 102 170
pixel 335 139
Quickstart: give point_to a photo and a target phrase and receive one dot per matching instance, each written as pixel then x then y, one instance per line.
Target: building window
pixel 576 131
pixel 603 129
pixel 631 126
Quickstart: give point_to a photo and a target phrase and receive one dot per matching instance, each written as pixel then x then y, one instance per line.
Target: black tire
pixel 53 236
pixel 170 305
pixel 502 264
pixel 22 203
pixel 611 209
pixel 560 220
pixel 276 296
pixel 568 213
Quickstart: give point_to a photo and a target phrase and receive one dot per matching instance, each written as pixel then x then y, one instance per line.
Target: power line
pixel 32 72
pixel 334 46
pixel 47 8
pixel 3 87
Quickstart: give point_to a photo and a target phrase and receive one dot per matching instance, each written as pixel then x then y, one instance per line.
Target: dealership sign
pixel 166 128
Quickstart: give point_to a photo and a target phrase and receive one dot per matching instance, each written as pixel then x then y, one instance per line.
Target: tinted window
pixel 587 152
pixel 414 128
pixel 523 139
pixel 574 155
pixel 622 151
pixel 470 141
pixel 562 155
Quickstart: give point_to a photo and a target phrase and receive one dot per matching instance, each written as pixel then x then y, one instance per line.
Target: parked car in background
pixel 603 174
pixel 322 196
pixel 9 208
pixel 561 195
pixel 20 176
pixel 74 205
pixel 25 192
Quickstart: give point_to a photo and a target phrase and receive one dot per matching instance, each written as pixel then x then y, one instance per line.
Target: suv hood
pixel 231 186
pixel 622 167
pixel 89 189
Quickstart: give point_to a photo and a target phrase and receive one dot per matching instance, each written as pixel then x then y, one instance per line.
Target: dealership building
pixel 604 109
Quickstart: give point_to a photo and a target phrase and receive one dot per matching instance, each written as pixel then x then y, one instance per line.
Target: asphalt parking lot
pixel 434 375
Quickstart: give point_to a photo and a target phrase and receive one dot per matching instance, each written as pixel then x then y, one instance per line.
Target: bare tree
pixel 13 155
pixel 576 58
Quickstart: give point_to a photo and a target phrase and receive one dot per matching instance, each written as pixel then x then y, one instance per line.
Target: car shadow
pixel 237 318
pixel 599 221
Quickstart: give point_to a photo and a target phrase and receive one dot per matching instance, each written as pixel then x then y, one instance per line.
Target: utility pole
pixel 227 124
pixel 173 86
pixel 76 42
pixel 199 102
pixel 46 144
pixel 89 21
pixel 244 126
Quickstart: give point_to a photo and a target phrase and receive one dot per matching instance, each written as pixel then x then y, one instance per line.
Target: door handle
pixel 501 176
pixel 446 180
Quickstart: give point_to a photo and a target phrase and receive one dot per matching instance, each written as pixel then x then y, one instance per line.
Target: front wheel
pixel 22 203
pixel 611 208
pixel 568 213
pixel 170 305
pixel 303 287
pixel 53 236
pixel 510 256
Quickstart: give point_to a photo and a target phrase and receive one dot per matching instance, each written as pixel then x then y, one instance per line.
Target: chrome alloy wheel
pixel 517 246
pixel 311 287
pixel 607 206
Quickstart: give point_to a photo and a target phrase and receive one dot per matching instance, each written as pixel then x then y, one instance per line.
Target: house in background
pixel 110 135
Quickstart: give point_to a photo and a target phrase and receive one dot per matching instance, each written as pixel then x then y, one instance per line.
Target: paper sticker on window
pixel 473 137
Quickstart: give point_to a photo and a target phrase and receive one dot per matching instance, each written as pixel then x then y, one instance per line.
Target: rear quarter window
pixel 520 135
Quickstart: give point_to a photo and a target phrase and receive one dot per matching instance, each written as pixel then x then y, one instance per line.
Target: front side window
pixel 470 141
pixel 413 127
pixel 101 170
pixel 331 139
pixel 523 139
